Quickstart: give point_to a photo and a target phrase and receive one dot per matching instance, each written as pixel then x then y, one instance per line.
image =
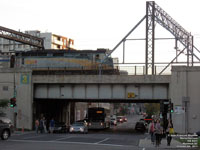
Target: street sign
pixel 131 95
pixel 179 110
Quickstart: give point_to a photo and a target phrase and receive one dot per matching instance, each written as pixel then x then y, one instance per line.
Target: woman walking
pixel 170 131
pixel 152 131
pixel 158 133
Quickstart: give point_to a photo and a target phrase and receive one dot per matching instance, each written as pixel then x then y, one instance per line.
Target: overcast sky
pixel 94 23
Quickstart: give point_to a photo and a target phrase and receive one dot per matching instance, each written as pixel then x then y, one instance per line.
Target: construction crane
pixel 21 37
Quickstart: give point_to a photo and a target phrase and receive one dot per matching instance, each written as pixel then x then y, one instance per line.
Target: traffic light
pixel 13 102
pixel 171 107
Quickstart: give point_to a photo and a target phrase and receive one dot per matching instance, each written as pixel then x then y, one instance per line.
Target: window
pixel 5 88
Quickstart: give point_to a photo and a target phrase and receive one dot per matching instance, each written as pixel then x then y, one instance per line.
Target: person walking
pixel 51 125
pixel 169 132
pixel 158 133
pixel 44 125
pixel 41 125
pixel 37 123
pixel 152 131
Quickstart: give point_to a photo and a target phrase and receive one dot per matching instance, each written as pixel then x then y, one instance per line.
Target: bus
pixel 98 118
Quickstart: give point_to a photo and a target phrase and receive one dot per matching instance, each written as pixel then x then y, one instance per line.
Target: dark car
pixel 6 128
pixel 60 127
pixel 113 121
pixel 198 133
pixel 140 126
pixel 124 119
pixel 120 119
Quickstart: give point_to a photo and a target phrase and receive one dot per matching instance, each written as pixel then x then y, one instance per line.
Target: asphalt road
pixel 121 137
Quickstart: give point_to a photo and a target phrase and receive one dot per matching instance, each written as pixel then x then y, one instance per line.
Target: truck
pixel 98 118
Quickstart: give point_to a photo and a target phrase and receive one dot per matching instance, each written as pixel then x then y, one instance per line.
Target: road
pixel 121 137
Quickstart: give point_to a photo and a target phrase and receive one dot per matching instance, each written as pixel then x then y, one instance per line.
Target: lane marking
pixel 62 142
pixel 102 141
pixel 143 149
pixel 63 138
pixel 34 137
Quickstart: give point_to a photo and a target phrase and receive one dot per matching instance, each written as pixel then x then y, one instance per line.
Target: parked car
pixel 6 128
pixel 78 127
pixel 198 133
pixel 120 119
pixel 140 126
pixel 60 127
pixel 113 121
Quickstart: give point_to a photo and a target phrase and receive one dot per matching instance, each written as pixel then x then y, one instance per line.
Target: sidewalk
pixel 146 143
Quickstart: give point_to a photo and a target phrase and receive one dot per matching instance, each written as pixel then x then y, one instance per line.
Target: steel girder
pixel 21 37
pixel 150 35
pixel 166 21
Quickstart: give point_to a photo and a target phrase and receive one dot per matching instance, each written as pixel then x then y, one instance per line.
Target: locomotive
pixel 71 61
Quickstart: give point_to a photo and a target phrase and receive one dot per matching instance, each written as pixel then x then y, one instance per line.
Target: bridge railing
pixel 140 70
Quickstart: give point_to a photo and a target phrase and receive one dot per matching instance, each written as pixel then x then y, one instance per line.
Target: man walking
pixel 51 125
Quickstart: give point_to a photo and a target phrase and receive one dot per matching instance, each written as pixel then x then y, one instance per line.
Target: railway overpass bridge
pixel 181 87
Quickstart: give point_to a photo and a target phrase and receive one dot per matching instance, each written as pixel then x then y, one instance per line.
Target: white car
pixel 78 127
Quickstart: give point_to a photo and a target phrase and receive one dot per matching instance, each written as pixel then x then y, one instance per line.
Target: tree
pixel 3 104
pixel 152 108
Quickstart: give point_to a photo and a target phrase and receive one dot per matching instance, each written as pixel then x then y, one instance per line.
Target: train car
pixel 70 61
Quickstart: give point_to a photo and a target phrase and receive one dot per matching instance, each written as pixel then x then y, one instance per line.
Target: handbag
pixel 171 130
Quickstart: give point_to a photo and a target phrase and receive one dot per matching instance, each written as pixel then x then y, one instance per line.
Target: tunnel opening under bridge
pixel 72 110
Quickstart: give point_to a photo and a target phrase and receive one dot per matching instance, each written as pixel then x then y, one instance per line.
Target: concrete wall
pixel 22 79
pixel 185 86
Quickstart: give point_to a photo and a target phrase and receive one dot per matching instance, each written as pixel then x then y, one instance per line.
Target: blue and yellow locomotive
pixel 72 61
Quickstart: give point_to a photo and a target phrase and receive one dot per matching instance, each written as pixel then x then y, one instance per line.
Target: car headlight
pixel 81 129
pixel 71 129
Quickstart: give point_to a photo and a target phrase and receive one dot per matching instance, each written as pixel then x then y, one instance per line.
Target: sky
pixel 100 23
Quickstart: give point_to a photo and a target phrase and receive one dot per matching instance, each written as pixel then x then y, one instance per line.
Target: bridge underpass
pixel 61 98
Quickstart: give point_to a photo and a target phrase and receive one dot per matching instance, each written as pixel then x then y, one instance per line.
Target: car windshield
pixel 78 124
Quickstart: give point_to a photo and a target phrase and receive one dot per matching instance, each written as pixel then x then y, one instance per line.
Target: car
pixel 113 121
pixel 78 127
pixel 140 126
pixel 120 119
pixel 84 121
pixel 198 133
pixel 60 127
pixel 6 128
pixel 124 119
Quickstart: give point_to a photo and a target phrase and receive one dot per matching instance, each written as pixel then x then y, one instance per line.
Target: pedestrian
pixel 152 131
pixel 37 123
pixel 51 125
pixel 44 125
pixel 158 133
pixel 41 125
pixel 169 131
